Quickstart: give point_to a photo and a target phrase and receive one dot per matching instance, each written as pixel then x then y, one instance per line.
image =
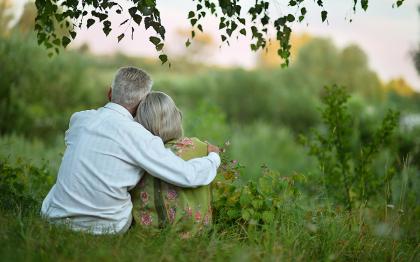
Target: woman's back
pixel 157 203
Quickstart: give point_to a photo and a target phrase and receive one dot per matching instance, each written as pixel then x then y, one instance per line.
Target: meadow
pixel 316 166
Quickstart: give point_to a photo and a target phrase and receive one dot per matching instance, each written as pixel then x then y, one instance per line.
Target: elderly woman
pixel 155 202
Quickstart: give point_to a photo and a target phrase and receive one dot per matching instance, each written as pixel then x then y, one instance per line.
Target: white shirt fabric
pixel 107 154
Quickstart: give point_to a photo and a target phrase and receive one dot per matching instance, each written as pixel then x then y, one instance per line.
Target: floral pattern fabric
pixel 158 204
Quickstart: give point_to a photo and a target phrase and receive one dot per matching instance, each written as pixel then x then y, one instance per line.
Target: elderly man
pixel 107 153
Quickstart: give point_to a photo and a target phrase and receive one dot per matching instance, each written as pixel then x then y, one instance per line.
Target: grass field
pixel 329 236
pixel 303 229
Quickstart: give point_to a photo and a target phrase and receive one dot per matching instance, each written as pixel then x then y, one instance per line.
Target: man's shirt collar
pixel 119 108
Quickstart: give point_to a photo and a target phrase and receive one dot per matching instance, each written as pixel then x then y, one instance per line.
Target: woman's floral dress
pixel 158 204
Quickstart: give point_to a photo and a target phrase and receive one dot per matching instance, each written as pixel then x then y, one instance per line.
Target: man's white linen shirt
pixel 107 154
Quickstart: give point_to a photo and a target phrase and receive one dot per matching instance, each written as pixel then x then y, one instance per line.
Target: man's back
pixel 95 172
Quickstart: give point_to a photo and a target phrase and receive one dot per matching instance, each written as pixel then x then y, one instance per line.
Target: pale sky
pixel 386 34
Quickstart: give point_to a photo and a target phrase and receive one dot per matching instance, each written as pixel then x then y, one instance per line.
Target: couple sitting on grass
pixel 128 163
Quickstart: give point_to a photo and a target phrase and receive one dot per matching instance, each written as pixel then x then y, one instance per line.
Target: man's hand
pixel 212 148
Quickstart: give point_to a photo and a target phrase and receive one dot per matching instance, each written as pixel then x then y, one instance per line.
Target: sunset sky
pixel 386 34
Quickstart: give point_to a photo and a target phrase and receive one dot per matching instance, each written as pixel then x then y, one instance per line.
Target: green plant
pixel 348 175
pixel 18 148
pixel 251 203
pixel 22 185
pixel 38 95
pixel 54 16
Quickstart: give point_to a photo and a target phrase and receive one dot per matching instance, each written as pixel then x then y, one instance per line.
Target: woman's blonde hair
pixel 158 113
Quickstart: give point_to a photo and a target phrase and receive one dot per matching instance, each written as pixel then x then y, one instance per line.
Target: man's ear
pixel 109 94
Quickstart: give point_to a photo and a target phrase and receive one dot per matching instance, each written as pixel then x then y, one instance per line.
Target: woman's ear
pixel 109 94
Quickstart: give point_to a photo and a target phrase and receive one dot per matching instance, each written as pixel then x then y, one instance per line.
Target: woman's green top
pixel 158 204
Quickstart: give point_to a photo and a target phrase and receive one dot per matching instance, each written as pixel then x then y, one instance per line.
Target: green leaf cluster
pixel 348 175
pixel 22 185
pixel 71 14
pixel 252 203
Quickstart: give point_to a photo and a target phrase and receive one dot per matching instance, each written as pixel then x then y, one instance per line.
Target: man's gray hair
pixel 130 86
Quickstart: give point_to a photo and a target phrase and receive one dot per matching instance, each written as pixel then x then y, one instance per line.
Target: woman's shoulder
pixel 187 142
pixel 192 141
pixel 189 147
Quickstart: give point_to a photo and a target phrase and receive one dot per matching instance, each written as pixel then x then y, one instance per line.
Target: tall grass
pixel 320 234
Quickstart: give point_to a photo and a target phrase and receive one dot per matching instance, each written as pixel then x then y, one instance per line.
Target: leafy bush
pixel 347 173
pixel 280 98
pixel 37 94
pixel 322 63
pixel 22 185
pixel 255 203
pixel 34 150
pixel 409 146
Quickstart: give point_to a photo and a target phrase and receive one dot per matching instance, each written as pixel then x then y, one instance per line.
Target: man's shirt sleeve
pixel 149 152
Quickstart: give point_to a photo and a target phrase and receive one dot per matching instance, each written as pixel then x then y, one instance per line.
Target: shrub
pixel 37 94
pixel 348 175
pixel 252 203
pixel 279 98
pixel 22 185
pixel 33 150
